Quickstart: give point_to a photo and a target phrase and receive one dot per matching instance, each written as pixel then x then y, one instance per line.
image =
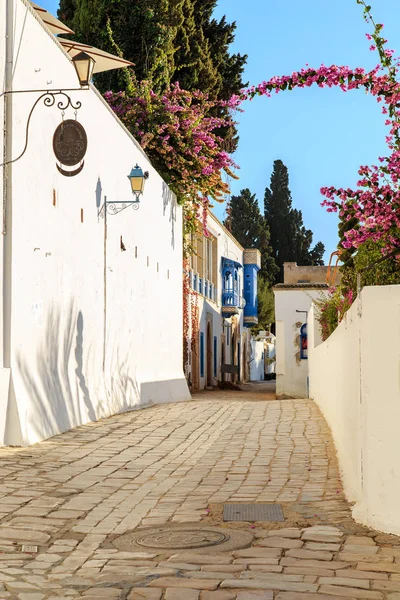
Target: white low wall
pixel 257 361
pixel 355 380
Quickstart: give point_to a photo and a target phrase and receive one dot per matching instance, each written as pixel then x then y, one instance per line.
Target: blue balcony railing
pixel 230 297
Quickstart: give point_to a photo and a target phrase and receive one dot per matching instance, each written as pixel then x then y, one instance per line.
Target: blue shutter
pixel 201 354
pixel 303 342
pixel 215 356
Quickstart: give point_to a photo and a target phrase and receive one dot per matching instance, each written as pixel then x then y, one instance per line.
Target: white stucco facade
pixel 291 309
pixel 293 299
pixel 92 307
pixel 257 360
pixel 221 339
pixel 354 379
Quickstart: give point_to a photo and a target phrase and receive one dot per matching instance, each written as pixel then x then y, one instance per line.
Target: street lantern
pixel 137 179
pixel 84 65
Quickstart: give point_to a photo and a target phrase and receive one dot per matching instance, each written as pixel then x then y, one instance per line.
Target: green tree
pixel 143 32
pixel 266 304
pixel 167 40
pixel 247 224
pixel 290 239
pixel 373 266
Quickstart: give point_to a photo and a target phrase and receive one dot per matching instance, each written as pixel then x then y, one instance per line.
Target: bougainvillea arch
pixel 182 140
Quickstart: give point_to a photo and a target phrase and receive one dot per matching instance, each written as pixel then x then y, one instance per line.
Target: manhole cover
pixel 184 538
pixel 253 512
pixel 188 536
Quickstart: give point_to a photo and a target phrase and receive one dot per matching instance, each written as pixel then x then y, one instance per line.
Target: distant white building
pixel 222 307
pixel 90 302
pixel 262 360
pixel 293 299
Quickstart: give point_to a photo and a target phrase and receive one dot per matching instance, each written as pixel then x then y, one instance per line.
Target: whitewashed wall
pixel 334 375
pixel 291 371
pixel 270 367
pixel 355 380
pixel 257 361
pixel 75 304
pixel 227 247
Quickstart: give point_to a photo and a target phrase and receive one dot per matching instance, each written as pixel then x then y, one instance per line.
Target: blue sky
pixel 321 135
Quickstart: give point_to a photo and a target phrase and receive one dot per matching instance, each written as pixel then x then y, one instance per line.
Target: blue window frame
pixel 201 354
pixel 215 356
pixel 303 342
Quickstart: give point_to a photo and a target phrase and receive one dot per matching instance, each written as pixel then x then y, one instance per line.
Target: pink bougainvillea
pixel 181 138
pixel 375 202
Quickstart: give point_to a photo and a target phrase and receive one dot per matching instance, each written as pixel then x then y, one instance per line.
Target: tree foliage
pixel 290 240
pixel 266 304
pixel 247 224
pixel 374 268
pixel 168 41
pixel 180 139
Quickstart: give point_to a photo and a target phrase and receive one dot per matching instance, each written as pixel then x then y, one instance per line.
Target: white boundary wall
pixel 257 361
pixel 95 330
pixel 291 370
pixel 355 380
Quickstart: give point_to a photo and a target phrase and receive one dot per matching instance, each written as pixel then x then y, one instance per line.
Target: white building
pixel 293 299
pixel 91 307
pixel 222 306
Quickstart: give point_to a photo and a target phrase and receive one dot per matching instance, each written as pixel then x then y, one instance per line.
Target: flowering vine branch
pixel 181 138
pixel 375 203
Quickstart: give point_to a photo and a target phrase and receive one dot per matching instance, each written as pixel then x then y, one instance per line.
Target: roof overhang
pixel 229 263
pixel 55 26
pixel 103 60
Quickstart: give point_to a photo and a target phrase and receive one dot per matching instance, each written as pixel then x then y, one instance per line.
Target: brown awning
pixel 104 61
pixel 51 22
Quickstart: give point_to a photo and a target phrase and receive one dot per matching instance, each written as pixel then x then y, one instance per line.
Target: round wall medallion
pixel 70 142
pixel 184 538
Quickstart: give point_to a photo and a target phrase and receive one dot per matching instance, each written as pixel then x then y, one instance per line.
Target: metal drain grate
pixel 253 512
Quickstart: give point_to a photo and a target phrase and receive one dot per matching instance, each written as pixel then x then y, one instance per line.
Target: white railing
pixel 203 286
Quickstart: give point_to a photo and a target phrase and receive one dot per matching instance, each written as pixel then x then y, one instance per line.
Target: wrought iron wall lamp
pixel 137 180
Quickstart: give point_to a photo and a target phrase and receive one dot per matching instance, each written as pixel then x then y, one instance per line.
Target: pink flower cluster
pixel 181 138
pixel 375 202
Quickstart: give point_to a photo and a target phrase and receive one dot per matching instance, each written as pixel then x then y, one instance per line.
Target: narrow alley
pixel 73 508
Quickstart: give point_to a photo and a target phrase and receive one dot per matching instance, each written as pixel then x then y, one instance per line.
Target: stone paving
pixel 64 502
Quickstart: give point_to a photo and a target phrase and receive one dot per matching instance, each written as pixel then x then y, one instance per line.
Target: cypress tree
pixel 290 240
pixel 247 224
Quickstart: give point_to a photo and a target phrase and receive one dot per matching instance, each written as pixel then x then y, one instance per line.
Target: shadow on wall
pixel 54 401
pixel 98 194
pixel 79 367
pixel 56 389
pixel 169 198
pixel 125 392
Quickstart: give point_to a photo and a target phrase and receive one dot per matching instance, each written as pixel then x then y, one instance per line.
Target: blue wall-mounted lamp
pixel 137 180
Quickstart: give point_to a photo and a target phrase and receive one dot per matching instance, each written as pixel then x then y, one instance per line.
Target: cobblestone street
pixel 64 502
